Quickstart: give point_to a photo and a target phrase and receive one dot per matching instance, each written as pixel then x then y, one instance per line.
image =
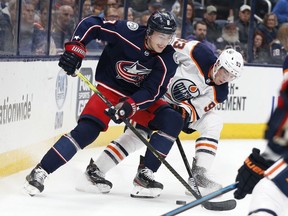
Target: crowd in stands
pixel 218 24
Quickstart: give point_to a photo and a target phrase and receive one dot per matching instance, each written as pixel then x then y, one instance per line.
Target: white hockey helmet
pixel 232 61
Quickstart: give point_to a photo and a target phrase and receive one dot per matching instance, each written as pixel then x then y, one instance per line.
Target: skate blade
pixel 141 192
pixel 85 185
pixel 30 189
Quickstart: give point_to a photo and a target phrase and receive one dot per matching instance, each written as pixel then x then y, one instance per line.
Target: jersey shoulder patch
pixel 132 26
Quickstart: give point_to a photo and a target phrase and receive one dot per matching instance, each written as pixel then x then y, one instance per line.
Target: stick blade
pixel 221 206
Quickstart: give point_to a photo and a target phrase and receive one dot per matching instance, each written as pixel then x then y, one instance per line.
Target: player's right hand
pixel 126 108
pixel 72 57
pixel 250 173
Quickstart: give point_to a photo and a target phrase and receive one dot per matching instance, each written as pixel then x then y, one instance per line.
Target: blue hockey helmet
pixel 163 22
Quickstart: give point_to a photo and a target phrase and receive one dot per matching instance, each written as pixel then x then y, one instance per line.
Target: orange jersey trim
pixel 274 168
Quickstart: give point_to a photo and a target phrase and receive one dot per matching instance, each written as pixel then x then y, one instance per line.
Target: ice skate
pixel 205 184
pixel 144 184
pixel 97 182
pixel 35 181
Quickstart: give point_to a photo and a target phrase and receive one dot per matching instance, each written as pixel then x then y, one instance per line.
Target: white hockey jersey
pixel 192 87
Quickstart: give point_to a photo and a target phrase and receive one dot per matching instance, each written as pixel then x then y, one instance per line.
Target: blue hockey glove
pixel 126 108
pixel 250 173
pixel 72 57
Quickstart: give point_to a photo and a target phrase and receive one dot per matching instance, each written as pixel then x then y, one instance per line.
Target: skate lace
pixel 40 175
pixel 148 174
pixel 97 173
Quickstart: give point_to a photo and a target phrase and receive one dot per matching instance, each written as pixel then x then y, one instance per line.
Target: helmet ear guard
pixel 232 61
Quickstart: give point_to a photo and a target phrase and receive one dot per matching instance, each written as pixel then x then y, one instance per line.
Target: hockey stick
pixel 207 205
pixel 201 200
pixel 220 205
pixel 183 155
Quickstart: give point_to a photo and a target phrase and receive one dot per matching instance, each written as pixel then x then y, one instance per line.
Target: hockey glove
pixel 250 173
pixel 186 118
pixel 71 59
pixel 126 108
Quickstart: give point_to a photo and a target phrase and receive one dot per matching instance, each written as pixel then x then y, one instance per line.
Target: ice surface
pixel 61 198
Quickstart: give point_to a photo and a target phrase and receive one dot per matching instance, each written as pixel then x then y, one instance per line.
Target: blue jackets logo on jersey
pixel 132 26
pixel 131 72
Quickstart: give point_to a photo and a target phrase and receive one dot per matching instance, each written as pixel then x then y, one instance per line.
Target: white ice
pixel 61 198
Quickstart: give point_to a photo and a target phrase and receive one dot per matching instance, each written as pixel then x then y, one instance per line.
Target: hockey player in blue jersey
pixel 133 73
pixel 200 83
pixel 270 168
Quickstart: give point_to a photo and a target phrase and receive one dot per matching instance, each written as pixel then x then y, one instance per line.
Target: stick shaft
pixel 201 200
pixel 183 155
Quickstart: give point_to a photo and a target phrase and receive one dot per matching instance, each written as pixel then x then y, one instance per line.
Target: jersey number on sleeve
pixel 210 106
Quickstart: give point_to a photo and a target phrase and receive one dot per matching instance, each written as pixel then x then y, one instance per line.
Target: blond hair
pixel 282 35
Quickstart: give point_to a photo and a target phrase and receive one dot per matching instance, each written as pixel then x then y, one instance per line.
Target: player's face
pixel 158 41
pixel 223 76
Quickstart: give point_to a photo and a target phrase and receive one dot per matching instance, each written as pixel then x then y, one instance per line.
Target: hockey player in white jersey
pixel 200 83
pixel 270 196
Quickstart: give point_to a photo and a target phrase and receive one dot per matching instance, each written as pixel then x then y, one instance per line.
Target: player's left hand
pixel 250 173
pixel 126 108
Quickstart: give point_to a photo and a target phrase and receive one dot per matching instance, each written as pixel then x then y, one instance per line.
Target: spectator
pixel 213 29
pixel 178 32
pixel 87 9
pixel 229 39
pixel 176 7
pixel 26 28
pixel 281 11
pixel 269 27
pixel 144 18
pixel 98 9
pixel 223 7
pixel 112 3
pixel 36 4
pixel 7 28
pixel 168 4
pixel 189 17
pixel 139 5
pixel 200 32
pixel 155 5
pixel 277 50
pixel 243 23
pixel 130 15
pixel 59 3
pixel 3 4
pixel 63 26
pixel 260 52
pixel 40 28
pixel 111 14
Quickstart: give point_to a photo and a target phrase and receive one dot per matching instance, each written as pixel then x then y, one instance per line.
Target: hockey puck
pixel 180 202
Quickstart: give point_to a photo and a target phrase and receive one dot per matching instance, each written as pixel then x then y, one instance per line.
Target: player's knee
pixel 171 125
pixel 85 132
pixel 211 125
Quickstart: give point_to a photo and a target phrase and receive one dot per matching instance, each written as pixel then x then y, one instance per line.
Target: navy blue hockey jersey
pixel 126 66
